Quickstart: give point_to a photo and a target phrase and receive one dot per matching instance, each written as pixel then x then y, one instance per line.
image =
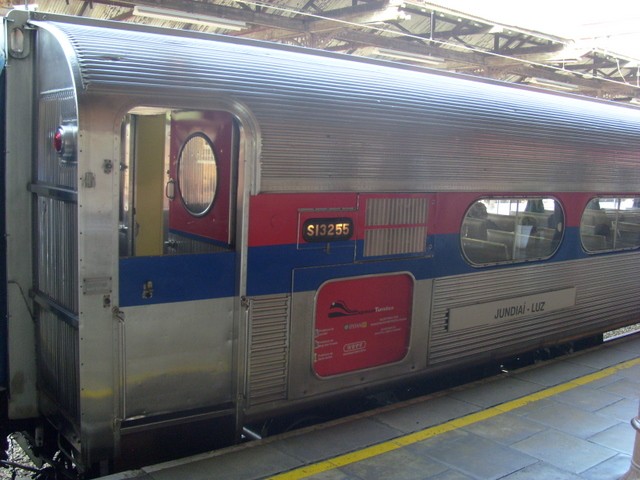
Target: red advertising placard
pixel 362 323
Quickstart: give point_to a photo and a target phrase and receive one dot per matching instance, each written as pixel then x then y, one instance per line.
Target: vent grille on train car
pixel 395 226
pixel 268 353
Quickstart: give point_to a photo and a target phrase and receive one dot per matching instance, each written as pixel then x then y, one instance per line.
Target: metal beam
pixel 231 13
pixel 369 39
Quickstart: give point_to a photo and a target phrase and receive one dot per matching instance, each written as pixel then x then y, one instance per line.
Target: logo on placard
pixel 339 308
pixel 355 326
pixel 354 347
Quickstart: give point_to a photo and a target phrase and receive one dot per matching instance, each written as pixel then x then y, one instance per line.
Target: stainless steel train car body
pixel 317 124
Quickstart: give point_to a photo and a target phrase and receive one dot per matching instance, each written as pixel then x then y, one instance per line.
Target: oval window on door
pixel 197 174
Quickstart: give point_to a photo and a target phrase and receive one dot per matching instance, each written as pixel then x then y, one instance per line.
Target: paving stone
pixel 587 398
pixel 604 357
pixel 334 475
pixel 620 437
pixel 422 415
pixel 603 383
pixel 256 462
pixel 496 392
pixel 328 442
pixel 505 429
pixel 397 465
pixel 564 451
pixel 555 373
pixel 450 475
pixel 573 421
pixel 532 407
pixel 625 388
pixel 632 374
pixel 542 471
pixel 623 410
pixel 613 468
pixel 476 456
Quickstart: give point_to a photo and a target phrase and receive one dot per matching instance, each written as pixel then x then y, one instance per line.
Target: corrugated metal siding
pixel 268 351
pixel 599 303
pixel 57 252
pixel 56 227
pixel 56 219
pixel 330 124
pixel 59 362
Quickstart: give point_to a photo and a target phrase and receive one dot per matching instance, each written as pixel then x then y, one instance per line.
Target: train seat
pixel 483 251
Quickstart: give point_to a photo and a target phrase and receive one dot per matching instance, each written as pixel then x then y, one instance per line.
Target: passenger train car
pixel 204 231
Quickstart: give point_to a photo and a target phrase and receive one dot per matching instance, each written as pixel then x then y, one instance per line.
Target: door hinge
pixel 245 302
pixel 117 313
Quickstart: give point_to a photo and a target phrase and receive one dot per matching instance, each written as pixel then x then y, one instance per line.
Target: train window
pixel 197 174
pixel 610 223
pixel 500 230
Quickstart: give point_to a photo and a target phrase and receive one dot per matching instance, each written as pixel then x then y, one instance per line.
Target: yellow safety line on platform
pixel 411 438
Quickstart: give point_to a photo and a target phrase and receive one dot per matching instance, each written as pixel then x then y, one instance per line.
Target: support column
pixel 634 470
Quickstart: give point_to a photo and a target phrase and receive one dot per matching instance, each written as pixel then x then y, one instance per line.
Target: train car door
pixel 201 173
pixel 177 276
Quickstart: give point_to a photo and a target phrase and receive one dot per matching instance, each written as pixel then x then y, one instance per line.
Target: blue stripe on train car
pixel 271 267
pixel 286 268
pixel 176 278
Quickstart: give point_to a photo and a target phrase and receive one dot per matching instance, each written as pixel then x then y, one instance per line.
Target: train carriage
pixel 204 231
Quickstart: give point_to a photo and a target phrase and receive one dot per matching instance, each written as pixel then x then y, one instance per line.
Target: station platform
pixel 567 418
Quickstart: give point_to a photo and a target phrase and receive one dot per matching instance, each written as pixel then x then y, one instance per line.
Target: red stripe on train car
pixel 274 218
pixel 278 218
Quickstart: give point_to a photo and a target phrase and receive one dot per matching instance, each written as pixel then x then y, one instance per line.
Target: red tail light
pixel 64 142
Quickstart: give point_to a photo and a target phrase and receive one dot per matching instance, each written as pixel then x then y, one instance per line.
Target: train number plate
pixel 327 229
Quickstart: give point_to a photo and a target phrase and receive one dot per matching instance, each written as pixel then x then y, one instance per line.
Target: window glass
pixel 496 230
pixel 197 174
pixel 611 223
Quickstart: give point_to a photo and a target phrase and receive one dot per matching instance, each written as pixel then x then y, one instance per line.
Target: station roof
pixel 587 47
